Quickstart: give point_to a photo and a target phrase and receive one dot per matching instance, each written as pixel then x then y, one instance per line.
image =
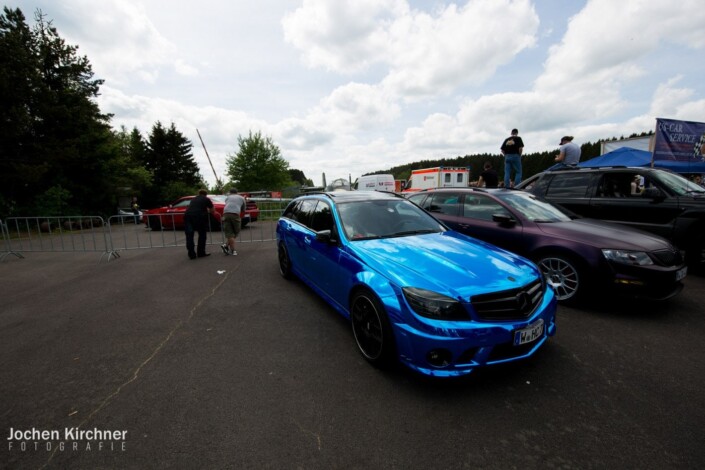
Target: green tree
pixel 52 133
pixel 131 178
pixel 169 158
pixel 258 165
pixel 298 176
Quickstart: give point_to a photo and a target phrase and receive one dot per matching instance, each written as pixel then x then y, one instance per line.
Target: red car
pixel 172 216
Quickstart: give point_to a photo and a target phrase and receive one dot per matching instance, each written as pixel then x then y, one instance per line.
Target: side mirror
pixel 325 236
pixel 504 219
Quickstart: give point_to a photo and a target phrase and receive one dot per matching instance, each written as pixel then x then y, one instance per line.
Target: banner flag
pixel 679 140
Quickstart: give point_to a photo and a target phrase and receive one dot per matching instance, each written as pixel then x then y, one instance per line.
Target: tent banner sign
pixel 679 140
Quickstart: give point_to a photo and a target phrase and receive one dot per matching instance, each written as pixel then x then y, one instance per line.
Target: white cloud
pixel 359 86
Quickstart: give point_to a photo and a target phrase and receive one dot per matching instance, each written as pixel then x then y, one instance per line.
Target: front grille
pixel 513 304
pixel 668 257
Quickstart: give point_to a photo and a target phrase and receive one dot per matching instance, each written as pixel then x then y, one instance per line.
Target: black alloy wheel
pixel 371 328
pixel 284 262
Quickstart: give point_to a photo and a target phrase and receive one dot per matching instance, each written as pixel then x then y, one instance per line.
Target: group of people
pixel 512 149
pixel 196 221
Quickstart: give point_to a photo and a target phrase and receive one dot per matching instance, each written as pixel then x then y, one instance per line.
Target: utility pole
pixel 217 180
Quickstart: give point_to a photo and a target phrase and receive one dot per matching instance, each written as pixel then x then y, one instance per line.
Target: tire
pixel 372 331
pixel 695 255
pixel 284 262
pixel 562 273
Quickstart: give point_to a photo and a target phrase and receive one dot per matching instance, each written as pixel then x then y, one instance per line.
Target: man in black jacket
pixel 196 220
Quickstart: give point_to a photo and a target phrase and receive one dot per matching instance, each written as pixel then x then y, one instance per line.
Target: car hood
pixel 449 263
pixel 602 234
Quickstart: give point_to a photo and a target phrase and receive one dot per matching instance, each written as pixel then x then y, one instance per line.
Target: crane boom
pixel 217 180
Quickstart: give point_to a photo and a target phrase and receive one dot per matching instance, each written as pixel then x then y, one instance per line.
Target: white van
pixel 376 183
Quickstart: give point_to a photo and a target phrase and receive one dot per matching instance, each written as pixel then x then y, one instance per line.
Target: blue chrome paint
pixel 448 263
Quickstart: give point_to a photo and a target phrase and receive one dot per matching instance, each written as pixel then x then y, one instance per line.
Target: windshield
pixel 533 208
pixel 679 185
pixel 364 220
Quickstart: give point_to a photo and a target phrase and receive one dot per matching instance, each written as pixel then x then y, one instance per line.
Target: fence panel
pixel 56 234
pixel 122 232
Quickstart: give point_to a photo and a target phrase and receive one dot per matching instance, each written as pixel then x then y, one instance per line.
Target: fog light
pixel 439 357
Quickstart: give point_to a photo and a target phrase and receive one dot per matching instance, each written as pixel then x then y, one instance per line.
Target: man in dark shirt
pixel 488 177
pixel 512 148
pixel 196 220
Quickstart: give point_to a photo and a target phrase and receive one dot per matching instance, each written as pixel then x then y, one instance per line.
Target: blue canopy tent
pixel 625 156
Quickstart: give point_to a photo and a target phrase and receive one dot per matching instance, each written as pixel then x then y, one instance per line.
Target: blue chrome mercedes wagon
pixel 439 302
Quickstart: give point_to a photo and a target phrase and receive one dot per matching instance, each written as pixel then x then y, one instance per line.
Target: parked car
pixel 172 216
pixel 415 292
pixel 577 256
pixel 127 216
pixel 663 202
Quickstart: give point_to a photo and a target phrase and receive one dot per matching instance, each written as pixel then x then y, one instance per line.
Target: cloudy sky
pixel 347 87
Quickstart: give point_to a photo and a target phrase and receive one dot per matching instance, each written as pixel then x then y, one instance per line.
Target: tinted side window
pixel 289 211
pixel 569 185
pixel 301 211
pixel 322 217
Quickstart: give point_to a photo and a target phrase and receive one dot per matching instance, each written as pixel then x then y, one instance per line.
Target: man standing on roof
pixel 569 152
pixel 512 148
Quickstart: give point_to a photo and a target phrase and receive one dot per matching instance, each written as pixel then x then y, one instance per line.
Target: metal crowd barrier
pixel 54 234
pixel 120 232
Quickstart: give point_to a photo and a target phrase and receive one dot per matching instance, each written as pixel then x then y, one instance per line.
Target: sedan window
pixel 183 203
pixel 533 208
pixel 445 203
pixel 481 207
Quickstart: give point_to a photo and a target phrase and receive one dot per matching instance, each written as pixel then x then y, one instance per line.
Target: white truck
pixel 376 183
pixel 438 177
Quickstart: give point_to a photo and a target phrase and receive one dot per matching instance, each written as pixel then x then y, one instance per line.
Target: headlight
pixel 434 305
pixel 634 258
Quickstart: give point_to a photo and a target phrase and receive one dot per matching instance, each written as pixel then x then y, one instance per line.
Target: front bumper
pixel 457 348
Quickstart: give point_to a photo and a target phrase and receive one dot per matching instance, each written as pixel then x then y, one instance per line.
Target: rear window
pixel 569 185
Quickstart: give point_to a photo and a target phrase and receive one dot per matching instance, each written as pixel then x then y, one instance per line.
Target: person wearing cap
pixel 232 220
pixel 569 153
pixel 512 148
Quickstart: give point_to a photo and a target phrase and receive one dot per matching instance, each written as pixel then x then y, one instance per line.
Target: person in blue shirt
pixel 569 152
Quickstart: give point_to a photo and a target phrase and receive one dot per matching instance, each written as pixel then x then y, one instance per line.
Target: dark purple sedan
pixel 577 256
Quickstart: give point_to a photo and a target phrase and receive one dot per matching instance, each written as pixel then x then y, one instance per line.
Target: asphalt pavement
pixel 218 362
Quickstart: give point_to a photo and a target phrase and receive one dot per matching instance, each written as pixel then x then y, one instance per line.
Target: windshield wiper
pixel 410 232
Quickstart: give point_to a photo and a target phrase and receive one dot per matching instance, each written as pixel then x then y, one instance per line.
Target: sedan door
pixel 478 220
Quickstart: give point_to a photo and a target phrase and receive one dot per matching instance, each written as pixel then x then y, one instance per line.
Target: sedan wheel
pixel 562 275
pixel 284 262
pixel 371 329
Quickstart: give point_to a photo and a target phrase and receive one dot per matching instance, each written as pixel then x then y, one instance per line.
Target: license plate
pixel 680 274
pixel 529 334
